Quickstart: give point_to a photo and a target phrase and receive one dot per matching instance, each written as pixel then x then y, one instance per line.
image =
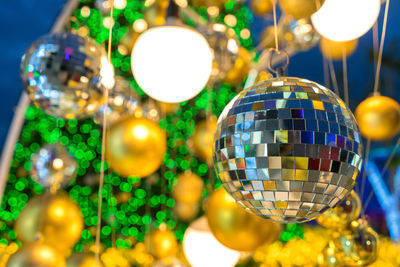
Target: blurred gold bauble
pixel 358 246
pixel 267 37
pixel 263 76
pixel 188 188
pixel 168 108
pixel 156 13
pixel 127 41
pixel 135 147
pixel 208 3
pixel 334 50
pixel 234 227
pixel 378 118
pixel 161 243
pixel 55 218
pixel 203 138
pixel 343 214
pixel 329 256
pixel 261 7
pixel 114 257
pixel 300 8
pixel 36 255
pixel 83 260
pixel 241 68
pixel 186 211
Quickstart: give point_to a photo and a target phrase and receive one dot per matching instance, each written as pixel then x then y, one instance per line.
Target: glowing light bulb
pixel 345 20
pixel 202 249
pixel 171 63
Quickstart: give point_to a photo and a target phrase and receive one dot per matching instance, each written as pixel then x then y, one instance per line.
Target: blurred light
pixel 345 20
pixel 108 22
pixel 85 11
pixel 58 163
pixel 230 20
pixel 213 11
pixel 245 34
pixel 171 63
pixel 119 4
pixel 203 250
pixel 107 73
pixel 123 50
pixel 181 3
pixel 140 25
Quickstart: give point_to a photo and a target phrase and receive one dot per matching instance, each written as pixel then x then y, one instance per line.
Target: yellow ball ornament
pixel 300 8
pixel 36 254
pixel 334 50
pixel 240 69
pixel 234 227
pixel 135 147
pixel 188 188
pixel 56 219
pixel 261 7
pixel 161 243
pixel 186 211
pixel 378 118
pixel 83 260
pixel 343 214
pixel 203 138
pixel 208 3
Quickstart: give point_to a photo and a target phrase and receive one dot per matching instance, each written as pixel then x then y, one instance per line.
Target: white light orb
pixel 345 20
pixel 203 250
pixel 171 63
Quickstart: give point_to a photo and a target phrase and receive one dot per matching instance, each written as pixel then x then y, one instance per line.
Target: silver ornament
pixel 65 75
pixel 224 45
pixel 122 101
pixel 298 34
pixel 287 149
pixel 53 167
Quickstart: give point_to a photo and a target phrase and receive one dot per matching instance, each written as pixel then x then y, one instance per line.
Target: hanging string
pixel 275 25
pixel 103 146
pixel 364 176
pixel 326 72
pixel 345 82
pixel 376 84
pixel 333 77
pixel 379 63
pixel 386 166
pixel 375 42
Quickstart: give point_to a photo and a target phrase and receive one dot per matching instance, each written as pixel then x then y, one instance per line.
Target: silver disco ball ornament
pixel 53 167
pixel 122 101
pixel 287 149
pixel 224 45
pixel 298 34
pixel 65 75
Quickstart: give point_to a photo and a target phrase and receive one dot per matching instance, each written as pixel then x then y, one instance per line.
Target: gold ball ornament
pixel 207 3
pixel 83 260
pixel 240 69
pixel 203 138
pixel 261 7
pixel 300 8
pixel 56 218
pixel 135 147
pixel 161 243
pixel 189 188
pixel 334 50
pixel 156 13
pixel 358 246
pixel 36 254
pixel 234 227
pixel 186 211
pixel 344 213
pixel 378 118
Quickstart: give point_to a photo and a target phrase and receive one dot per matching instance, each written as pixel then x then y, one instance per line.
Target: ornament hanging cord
pixel 376 85
pixel 103 144
pixel 279 71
